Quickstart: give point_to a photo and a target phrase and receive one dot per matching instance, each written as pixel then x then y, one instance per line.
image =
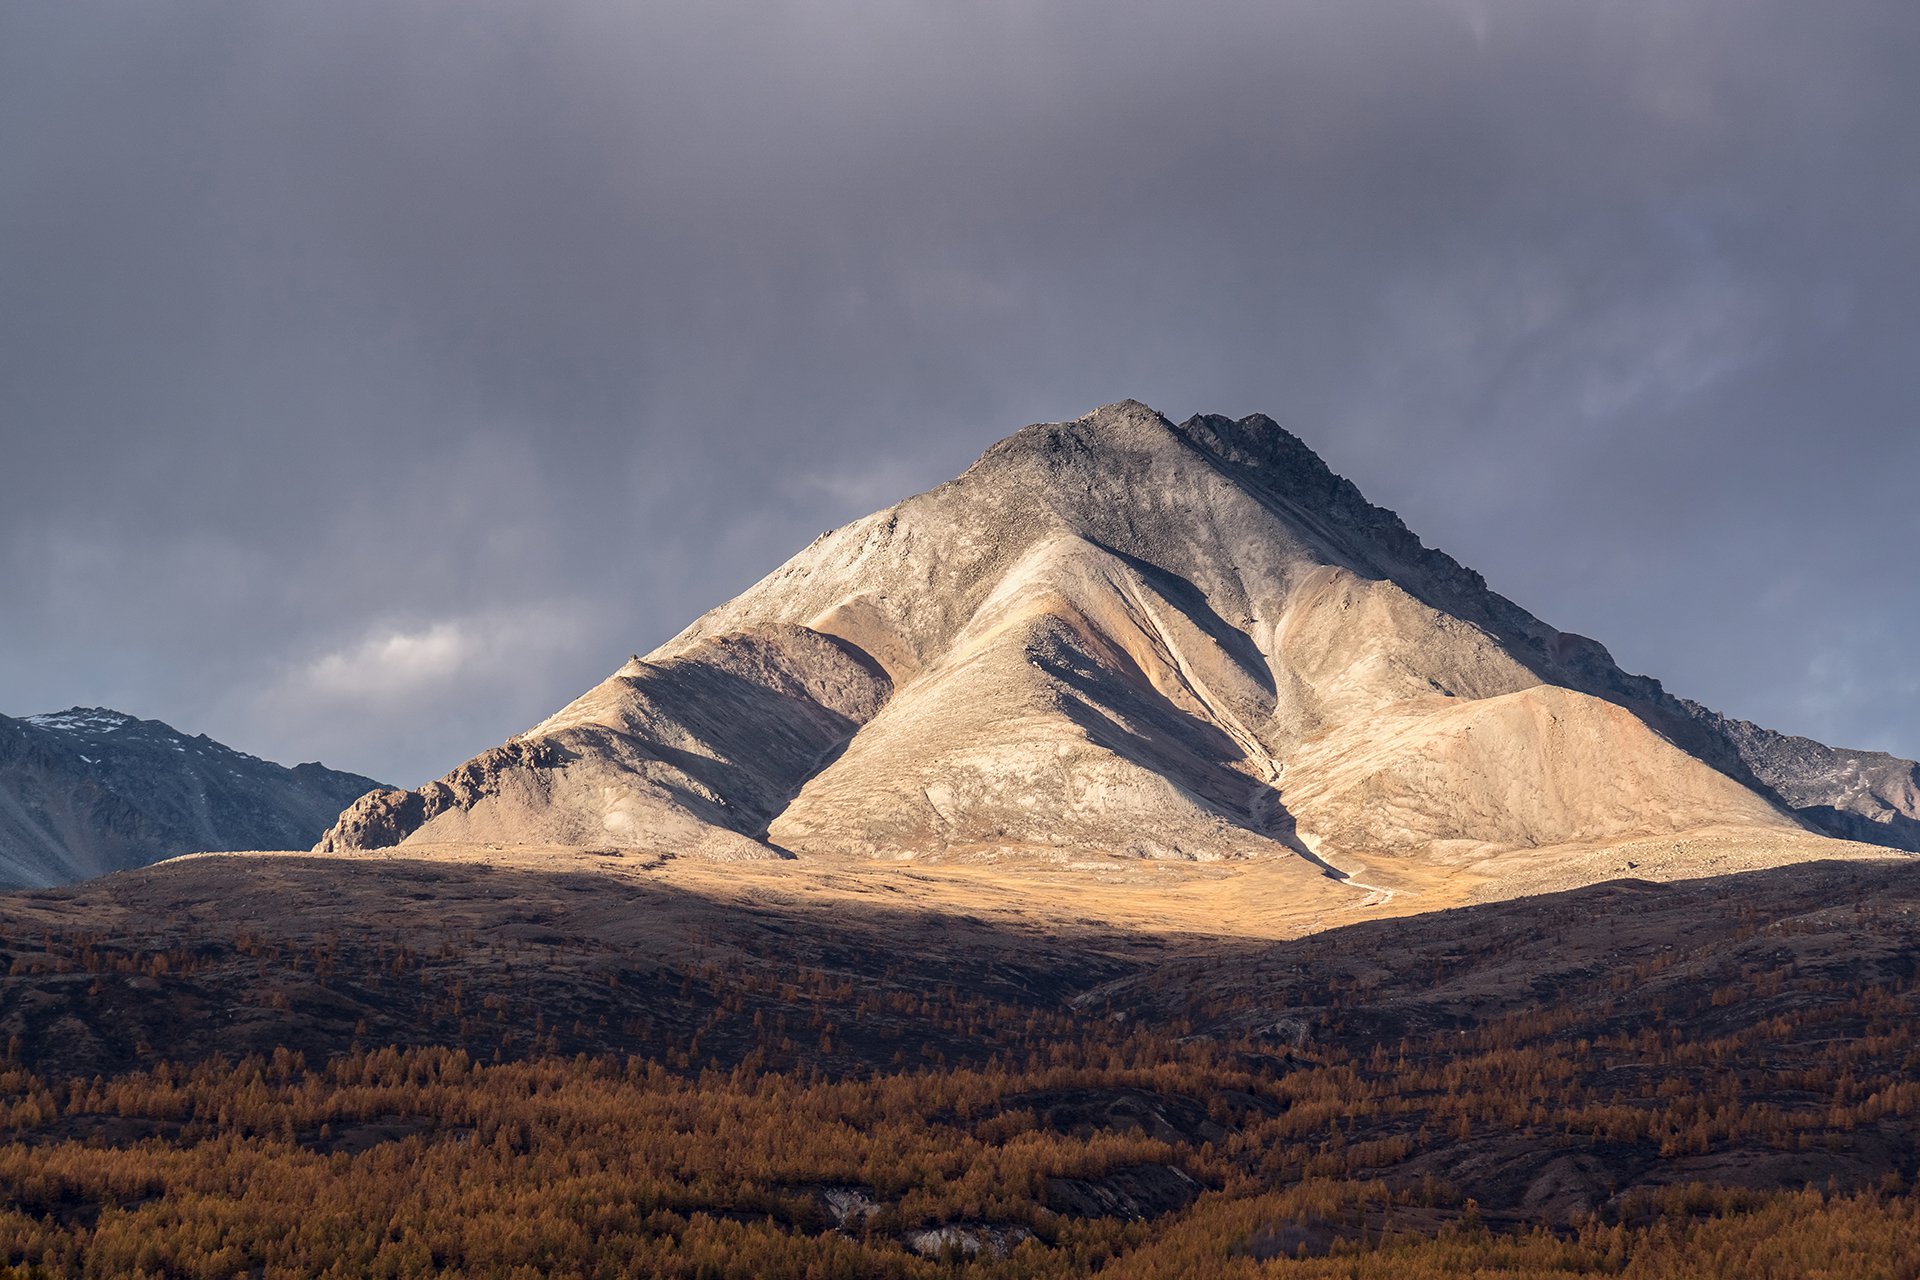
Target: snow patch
pixel 82 719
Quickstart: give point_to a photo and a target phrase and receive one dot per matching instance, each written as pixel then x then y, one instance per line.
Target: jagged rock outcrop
pixel 1118 636
pixel 87 791
pixel 1868 796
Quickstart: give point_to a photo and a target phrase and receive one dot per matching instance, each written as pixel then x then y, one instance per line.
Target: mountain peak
pixel 1092 440
pixel 83 720
pixel 1254 451
pixel 90 790
pixel 1126 413
pixel 1115 636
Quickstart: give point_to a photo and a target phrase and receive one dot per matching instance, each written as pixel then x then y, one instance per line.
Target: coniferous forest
pixel 1719 1078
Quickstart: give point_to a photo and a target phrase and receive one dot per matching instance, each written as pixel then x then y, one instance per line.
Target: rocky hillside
pixel 1119 636
pixel 1857 795
pixel 88 791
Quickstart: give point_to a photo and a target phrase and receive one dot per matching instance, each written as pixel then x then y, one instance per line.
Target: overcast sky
pixel 375 375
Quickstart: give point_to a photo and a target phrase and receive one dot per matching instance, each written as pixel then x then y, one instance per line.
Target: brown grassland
pixel 580 1075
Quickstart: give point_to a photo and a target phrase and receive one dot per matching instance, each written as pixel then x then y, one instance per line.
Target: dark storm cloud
pixel 374 376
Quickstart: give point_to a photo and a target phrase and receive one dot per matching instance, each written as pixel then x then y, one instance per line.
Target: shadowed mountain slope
pixel 87 791
pixel 1119 636
pixel 632 956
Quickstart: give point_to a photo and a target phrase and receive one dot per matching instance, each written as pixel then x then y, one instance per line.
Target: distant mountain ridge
pixel 89 790
pixel 1119 636
pixel 1870 796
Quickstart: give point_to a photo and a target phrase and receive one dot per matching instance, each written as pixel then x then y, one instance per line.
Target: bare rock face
pixel 1868 796
pixel 383 818
pixel 1543 766
pixel 1121 637
pixel 88 790
pixel 692 753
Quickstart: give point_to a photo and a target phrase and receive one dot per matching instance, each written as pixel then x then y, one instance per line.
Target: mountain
pixel 87 791
pixel 1121 637
pixel 1087 865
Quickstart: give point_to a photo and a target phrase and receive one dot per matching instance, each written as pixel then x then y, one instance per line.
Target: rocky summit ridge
pixel 1122 637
